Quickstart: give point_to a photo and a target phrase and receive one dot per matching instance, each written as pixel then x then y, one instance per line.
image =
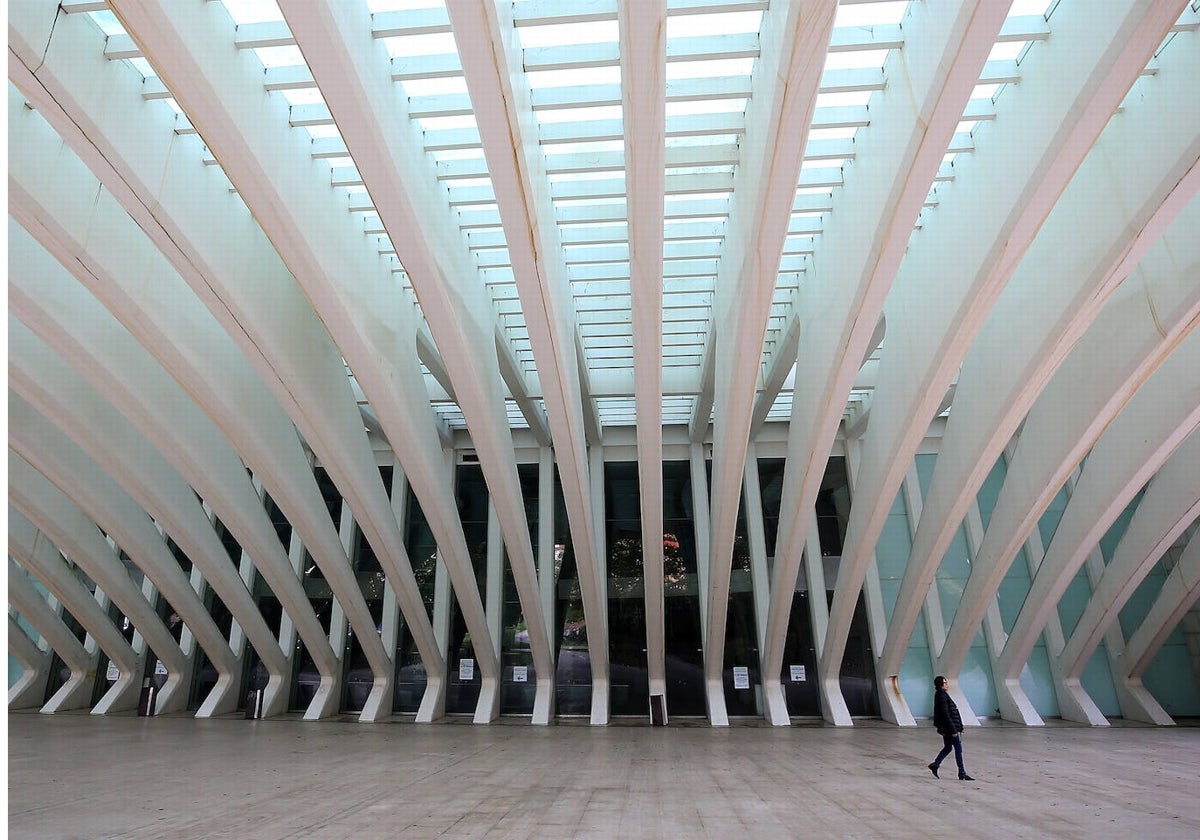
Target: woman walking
pixel 949 725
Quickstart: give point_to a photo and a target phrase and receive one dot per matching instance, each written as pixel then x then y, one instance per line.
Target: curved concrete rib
pixel 57 391
pixel 794 35
pixel 1004 372
pixel 1175 599
pixel 30 688
pixel 1143 323
pixel 351 70
pixel 934 317
pixel 76 692
pixel 162 184
pixel 33 550
pixel 83 332
pixel 642 27
pixel 55 514
pixel 842 297
pixel 1144 435
pixel 1171 503
pixel 275 174
pixel 82 480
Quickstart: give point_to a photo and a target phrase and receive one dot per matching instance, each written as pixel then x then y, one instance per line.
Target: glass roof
pixel 571 56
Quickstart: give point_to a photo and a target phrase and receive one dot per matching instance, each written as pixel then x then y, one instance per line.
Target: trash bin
pixel 658 710
pixel 147 697
pixel 254 704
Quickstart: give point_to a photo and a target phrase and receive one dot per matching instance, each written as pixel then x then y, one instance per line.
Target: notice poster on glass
pixel 798 674
pixel 113 672
pixel 520 673
pixel 741 676
pixel 160 670
pixel 466 669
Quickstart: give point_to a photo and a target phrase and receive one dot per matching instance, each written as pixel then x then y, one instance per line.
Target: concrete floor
pixel 74 776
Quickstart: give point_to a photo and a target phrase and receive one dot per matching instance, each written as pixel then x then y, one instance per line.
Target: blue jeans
pixel 951 742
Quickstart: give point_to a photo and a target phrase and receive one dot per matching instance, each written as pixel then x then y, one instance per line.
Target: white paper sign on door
pixel 520 673
pixel 466 669
pixel 741 676
pixel 798 674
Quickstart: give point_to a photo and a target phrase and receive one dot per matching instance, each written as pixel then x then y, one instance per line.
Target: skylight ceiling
pixel 571 80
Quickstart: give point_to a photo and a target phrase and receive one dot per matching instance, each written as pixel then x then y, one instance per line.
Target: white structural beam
pixel 1004 372
pixel 76 692
pixel 795 37
pixel 1177 596
pixel 643 45
pixel 335 39
pixel 86 335
pixel 67 526
pixel 58 392
pixel 517 167
pixel 1163 413
pixel 41 558
pixel 1144 323
pixel 254 299
pixel 518 386
pixel 30 687
pixel 1170 505
pixel 779 366
pixel 82 480
pixel 841 299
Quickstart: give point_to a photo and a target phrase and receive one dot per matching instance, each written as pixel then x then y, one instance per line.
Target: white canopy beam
pixel 642 26
pixel 1068 100
pixel 795 37
pixel 29 689
pixel 516 164
pixel 841 300
pixel 279 345
pixel 61 312
pixel 1177 596
pixel 81 479
pixel 60 518
pixel 1141 326
pixel 41 558
pixel 76 692
pixel 1169 507
pixel 367 315
pixel 1162 414
pixel 57 391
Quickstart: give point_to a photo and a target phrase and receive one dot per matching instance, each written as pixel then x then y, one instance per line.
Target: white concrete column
pixel 494 609
pixel 29 690
pixel 548 572
pixel 42 559
pixel 597 622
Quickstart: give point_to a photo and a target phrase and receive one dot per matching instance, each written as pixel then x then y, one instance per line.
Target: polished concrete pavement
pixel 75 776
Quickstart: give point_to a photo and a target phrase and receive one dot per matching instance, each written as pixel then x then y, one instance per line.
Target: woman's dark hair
pixel 939 681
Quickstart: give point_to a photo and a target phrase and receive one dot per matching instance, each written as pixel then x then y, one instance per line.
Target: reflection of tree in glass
pixel 625 564
pixel 741 554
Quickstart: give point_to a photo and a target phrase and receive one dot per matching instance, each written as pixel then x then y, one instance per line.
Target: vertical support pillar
pixel 599 624
pixel 760 576
pixel 548 571
pixel 389 628
pixel 494 610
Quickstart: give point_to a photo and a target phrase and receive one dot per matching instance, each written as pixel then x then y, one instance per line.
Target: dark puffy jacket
pixel 945 713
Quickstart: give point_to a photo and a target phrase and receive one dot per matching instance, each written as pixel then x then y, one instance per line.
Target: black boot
pixel 933 770
pixel 963 777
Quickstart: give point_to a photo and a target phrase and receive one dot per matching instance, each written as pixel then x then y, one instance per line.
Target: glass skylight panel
pixel 710 69
pixel 108 22
pixel 285 56
pixel 252 11
pixel 694 25
pixel 871 14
